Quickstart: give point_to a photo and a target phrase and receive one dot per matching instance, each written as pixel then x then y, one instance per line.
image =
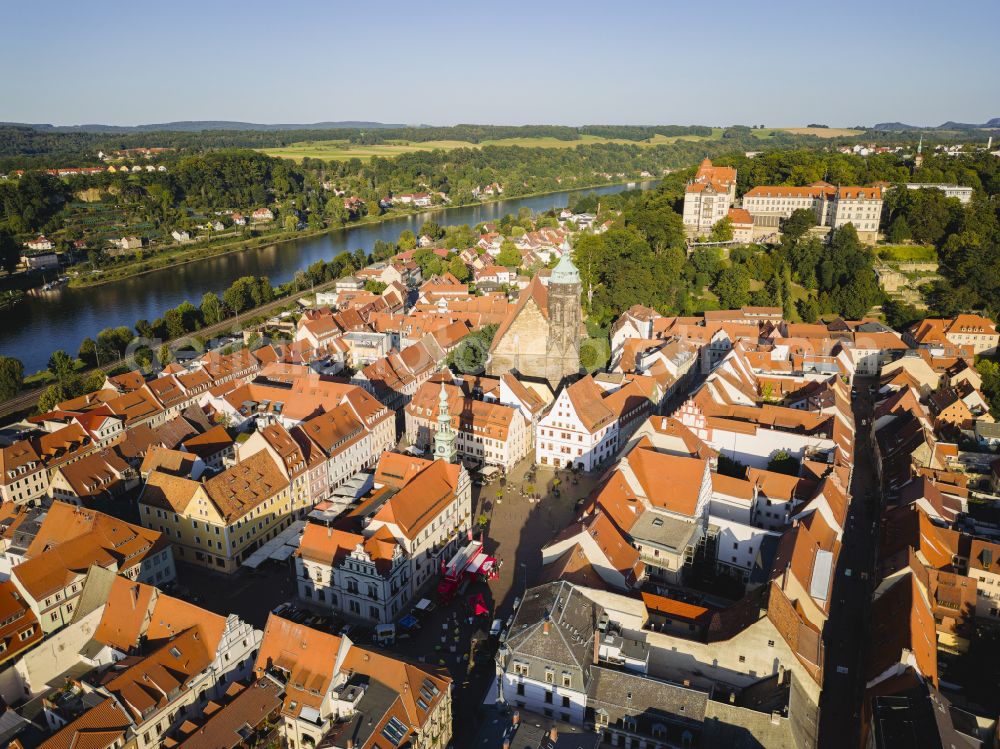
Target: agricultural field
pixel 823 132
pixel 342 150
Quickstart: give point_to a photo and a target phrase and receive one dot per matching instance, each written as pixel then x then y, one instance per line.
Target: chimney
pixel 781 675
pixel 597 648
pixel 553 735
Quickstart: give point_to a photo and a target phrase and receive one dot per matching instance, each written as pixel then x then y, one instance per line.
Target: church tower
pixel 565 316
pixel 919 160
pixel 444 441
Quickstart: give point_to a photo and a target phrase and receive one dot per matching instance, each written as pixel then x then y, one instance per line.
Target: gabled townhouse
pixel 491 434
pixel 363 577
pixel 100 475
pixel 984 565
pixel 671 362
pixel 137 616
pixel 287 454
pixel 595 553
pixel 220 521
pixel 19 627
pixel 159 660
pixel 340 442
pixel 800 589
pixel 395 378
pixel 243 716
pixel 105 726
pixel 214 447
pixel 343 696
pixel 939 558
pixel 580 429
pixel 69 541
pixel 24 479
pixel 977 333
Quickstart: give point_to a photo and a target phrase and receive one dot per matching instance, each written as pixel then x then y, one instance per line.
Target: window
pixel 550 676
pixel 565 701
pixel 743 659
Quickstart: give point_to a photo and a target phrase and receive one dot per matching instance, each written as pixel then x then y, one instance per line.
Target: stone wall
pixel 524 345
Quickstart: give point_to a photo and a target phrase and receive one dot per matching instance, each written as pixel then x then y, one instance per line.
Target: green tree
pixel 112 342
pixel 52 396
pixel 899 230
pixel 175 323
pixel 61 365
pixel 190 316
pixel 707 260
pixel 470 356
pixel 509 255
pixel 990 372
pixel 290 222
pixel 900 314
pixel 797 224
pixel 733 287
pixel 407 240
pixel 782 462
pixel 729 467
pixel 88 352
pixel 10 253
pixel 11 377
pixel 722 230
pixel 211 308
pixel 432 230
pixel 458 269
pixel 143 329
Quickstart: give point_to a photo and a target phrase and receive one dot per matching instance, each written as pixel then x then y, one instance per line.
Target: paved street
pixel 250 594
pixel 846 631
pixel 518 528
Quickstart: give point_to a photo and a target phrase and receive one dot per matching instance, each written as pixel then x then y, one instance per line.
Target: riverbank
pixel 179 256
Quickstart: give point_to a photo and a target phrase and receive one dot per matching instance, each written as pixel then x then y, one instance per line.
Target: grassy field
pixel 342 150
pixel 903 253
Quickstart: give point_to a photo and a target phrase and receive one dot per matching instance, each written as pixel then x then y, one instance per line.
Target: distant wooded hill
pixel 896 126
pixel 186 126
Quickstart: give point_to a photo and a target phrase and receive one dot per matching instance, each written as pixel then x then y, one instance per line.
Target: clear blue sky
pixel 510 62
